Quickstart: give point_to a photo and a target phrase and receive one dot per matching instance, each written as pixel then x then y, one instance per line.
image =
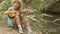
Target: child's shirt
pixel 13 12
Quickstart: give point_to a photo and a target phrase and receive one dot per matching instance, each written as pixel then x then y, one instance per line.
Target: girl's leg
pixel 19 24
pixel 14 21
pixel 28 25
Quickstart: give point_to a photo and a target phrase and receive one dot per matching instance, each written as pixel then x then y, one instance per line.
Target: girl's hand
pixel 22 15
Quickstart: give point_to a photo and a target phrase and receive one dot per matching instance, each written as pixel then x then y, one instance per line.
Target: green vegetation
pixel 40 6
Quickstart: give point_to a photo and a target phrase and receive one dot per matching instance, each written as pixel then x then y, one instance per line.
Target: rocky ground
pixel 4 29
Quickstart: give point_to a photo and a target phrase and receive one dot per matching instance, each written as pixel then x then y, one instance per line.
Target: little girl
pixel 14 15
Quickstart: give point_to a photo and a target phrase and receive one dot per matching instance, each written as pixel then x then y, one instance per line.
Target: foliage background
pixel 42 7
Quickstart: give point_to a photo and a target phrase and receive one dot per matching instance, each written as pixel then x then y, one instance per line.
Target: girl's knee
pixel 17 17
pixel 26 20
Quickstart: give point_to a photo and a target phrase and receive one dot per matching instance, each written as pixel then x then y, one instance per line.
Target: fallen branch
pixel 2 4
pixel 46 15
pixel 32 17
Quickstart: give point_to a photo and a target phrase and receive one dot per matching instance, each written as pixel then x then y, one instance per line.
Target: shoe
pixel 30 33
pixel 21 33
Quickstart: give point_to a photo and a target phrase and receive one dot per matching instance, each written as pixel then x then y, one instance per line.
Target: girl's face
pixel 16 5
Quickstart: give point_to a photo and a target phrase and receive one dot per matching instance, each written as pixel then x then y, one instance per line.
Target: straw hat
pixel 15 0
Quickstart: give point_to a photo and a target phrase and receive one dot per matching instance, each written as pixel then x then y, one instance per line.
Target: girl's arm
pixel 7 12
